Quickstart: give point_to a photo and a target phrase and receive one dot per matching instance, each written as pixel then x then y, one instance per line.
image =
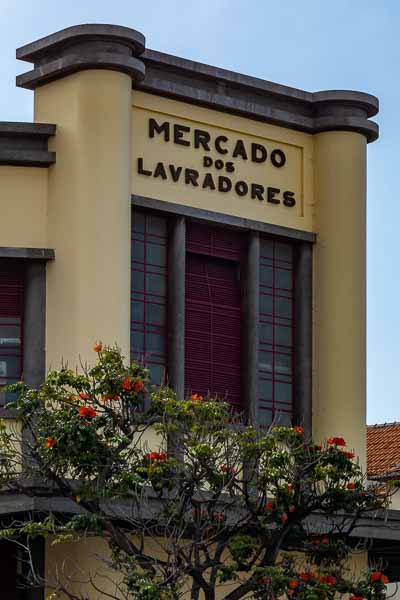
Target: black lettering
pixel 221 139
pixel 154 128
pixel 207 161
pixel 219 164
pixel 257 191
pixel 140 168
pixel 175 172
pixel 179 131
pixel 201 138
pixel 271 192
pixel 159 171
pixel 240 150
pixel 229 167
pixel 289 199
pixel 258 153
pixel 191 177
pixel 278 158
pixel 208 182
pixel 224 184
pixel 241 188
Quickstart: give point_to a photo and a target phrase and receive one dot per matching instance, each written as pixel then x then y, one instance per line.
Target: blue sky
pixel 312 44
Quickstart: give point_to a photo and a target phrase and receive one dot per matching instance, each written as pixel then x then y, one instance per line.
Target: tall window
pixel 214 336
pixel 213 312
pixel 149 292
pixel 275 366
pixel 11 321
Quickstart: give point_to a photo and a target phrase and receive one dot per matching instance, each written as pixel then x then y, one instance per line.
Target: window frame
pixel 302 270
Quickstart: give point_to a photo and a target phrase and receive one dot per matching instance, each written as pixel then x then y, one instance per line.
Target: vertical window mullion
pixel 176 304
pixel 250 315
pixel 303 336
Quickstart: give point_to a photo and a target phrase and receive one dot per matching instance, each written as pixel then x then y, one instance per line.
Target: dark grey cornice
pixel 42 254
pixel 183 79
pixel 81 47
pixel 123 49
pixel 209 216
pixel 26 144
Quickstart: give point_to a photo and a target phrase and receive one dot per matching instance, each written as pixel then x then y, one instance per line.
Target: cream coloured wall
pixel 339 396
pixel 23 197
pixel 88 223
pixel 295 175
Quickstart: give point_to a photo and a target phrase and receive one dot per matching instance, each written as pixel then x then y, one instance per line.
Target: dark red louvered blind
pixel 213 311
pixel 221 243
pixel 11 320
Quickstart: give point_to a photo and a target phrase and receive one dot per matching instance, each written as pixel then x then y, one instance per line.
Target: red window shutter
pixel 213 315
pixel 11 320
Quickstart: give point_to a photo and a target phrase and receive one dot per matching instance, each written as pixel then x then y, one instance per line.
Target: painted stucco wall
pixel 23 197
pixel 339 374
pixel 88 222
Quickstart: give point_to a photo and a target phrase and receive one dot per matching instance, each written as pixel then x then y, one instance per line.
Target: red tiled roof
pixel 383 449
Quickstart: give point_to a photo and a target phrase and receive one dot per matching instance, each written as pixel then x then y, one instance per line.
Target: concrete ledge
pixel 82 47
pixel 70 64
pixel 258 99
pixel 220 218
pixel 27 253
pixel 123 49
pixel 382 526
pixel 26 144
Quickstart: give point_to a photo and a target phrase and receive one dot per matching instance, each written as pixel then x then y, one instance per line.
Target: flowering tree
pixel 250 512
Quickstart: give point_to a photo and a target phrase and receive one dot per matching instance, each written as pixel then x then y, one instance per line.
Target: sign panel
pixel 203 158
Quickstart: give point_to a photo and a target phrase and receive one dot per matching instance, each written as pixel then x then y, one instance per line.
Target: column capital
pixel 83 47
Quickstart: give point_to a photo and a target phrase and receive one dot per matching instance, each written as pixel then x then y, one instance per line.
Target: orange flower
pixel 377 576
pixel 156 456
pixel 356 598
pixel 196 398
pixel 98 347
pixel 106 398
pixel 298 429
pixel 307 575
pixel 269 506
pixel 293 583
pixel 50 442
pixel 336 441
pixel 290 487
pixel 349 455
pixel 139 386
pixel 87 411
pixel 329 579
pixel 127 384
pixel 351 486
pixel 84 395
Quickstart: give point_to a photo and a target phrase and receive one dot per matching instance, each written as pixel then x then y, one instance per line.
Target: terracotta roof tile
pixel 383 449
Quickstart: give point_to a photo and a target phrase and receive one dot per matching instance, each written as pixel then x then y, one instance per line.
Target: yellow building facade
pixel 132 150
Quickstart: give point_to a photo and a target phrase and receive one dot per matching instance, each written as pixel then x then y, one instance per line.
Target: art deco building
pixel 210 223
